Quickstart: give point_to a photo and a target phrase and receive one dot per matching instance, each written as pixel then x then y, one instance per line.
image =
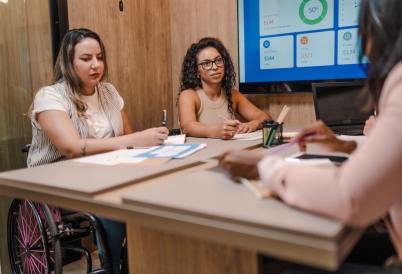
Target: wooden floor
pixel 80 266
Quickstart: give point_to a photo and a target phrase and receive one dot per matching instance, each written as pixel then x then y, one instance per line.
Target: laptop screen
pixel 340 103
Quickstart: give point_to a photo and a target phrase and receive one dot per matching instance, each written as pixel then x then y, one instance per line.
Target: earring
pixel 198 76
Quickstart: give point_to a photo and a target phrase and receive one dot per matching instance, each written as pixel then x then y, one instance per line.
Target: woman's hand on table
pixel 246 127
pixel 241 163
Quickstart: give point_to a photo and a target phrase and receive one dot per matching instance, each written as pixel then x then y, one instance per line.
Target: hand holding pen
pixel 151 137
pixel 243 127
pixel 323 136
pixel 228 127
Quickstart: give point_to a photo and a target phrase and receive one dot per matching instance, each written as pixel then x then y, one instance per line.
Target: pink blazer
pixel 365 188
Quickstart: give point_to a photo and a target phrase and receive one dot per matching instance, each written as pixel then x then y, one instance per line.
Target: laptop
pixel 340 105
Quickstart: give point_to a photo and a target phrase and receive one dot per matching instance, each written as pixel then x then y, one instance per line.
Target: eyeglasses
pixel 207 65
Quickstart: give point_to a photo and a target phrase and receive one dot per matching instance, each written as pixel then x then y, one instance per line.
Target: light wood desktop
pixel 187 216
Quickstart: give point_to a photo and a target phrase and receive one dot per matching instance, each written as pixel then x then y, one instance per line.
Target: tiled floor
pixel 80 266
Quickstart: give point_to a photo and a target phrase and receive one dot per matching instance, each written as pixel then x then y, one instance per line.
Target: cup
pixel 272 133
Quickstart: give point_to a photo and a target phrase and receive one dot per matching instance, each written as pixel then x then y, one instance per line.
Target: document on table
pixel 256 135
pixel 175 139
pixel 288 135
pixel 112 158
pixel 174 151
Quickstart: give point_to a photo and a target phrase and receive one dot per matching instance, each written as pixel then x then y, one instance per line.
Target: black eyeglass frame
pixel 212 63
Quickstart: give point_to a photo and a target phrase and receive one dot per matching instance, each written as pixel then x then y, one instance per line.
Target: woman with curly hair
pixel 207 101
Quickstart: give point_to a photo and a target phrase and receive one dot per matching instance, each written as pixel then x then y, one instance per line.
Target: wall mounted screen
pixel 285 45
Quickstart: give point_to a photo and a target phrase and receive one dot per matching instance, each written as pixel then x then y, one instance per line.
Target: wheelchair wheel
pixel 31 247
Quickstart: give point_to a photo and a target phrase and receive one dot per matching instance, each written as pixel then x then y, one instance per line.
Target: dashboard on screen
pixel 285 45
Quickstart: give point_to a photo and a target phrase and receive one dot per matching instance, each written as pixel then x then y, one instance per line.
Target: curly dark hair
pixel 189 71
pixel 379 24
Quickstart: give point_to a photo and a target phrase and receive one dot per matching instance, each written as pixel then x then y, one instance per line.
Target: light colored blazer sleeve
pixel 366 187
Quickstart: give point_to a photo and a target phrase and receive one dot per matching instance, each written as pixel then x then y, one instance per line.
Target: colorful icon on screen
pixel 266 44
pixel 304 40
pixel 347 36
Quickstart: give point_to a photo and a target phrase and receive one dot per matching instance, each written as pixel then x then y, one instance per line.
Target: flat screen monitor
pixel 340 103
pixel 285 45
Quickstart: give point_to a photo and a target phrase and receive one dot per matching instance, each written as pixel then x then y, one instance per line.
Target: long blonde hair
pixel 64 69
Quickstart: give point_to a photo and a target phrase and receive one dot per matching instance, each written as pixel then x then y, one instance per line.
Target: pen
pixel 164 118
pixel 138 147
pixel 271 134
pixel 291 144
pixel 224 118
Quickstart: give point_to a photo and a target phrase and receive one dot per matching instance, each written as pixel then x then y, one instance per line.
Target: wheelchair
pixel 37 233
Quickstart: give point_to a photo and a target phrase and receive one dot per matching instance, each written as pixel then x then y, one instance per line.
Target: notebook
pixel 340 106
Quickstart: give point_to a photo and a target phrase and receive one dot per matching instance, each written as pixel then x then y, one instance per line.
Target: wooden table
pixel 187 216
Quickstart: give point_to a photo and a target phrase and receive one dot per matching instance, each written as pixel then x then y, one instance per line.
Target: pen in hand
pixel 164 118
pixel 224 118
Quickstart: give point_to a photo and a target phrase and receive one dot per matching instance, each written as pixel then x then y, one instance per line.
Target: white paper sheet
pixel 114 157
pixel 256 135
pixel 176 139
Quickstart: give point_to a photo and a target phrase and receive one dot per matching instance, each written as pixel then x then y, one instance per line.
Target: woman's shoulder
pixel 189 93
pixel 55 89
pixel 394 76
pixel 236 95
pixel 189 97
pixel 235 92
pixel 107 87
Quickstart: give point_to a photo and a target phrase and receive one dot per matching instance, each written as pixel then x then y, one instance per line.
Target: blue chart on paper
pixel 171 151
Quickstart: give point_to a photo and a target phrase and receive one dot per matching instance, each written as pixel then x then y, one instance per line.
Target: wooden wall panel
pixel 302 106
pixel 20 42
pixel 192 20
pixel 25 65
pixel 39 43
pixel 138 45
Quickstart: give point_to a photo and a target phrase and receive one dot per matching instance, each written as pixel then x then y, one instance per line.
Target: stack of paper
pixel 176 139
pixel 256 135
pixel 288 135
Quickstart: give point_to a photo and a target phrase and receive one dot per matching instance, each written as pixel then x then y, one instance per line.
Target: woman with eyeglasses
pixel 207 101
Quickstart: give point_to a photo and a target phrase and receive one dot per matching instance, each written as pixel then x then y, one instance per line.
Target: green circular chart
pixel 317 20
